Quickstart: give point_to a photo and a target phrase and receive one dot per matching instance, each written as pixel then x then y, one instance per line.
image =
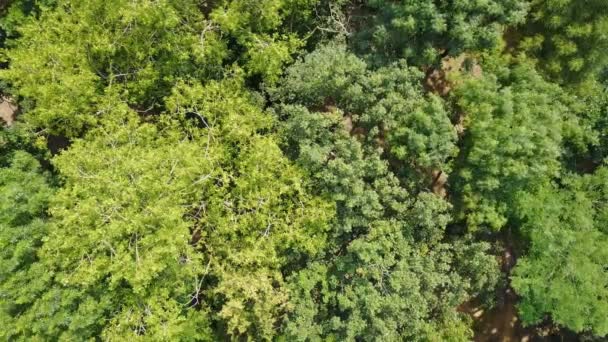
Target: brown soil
pixel 586 166
pixel 7 110
pixel 438 186
pixel 501 323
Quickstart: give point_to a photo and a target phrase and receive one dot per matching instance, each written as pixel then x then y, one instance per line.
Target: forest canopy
pixel 306 170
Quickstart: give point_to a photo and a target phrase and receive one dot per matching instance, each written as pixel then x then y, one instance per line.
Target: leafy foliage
pixel 82 46
pixel 258 221
pixel 14 13
pixel 121 254
pixel 564 273
pixel 385 107
pixel 514 125
pixel 216 187
pixel 422 31
pixel 67 60
pixel 266 30
pixel 139 247
pixel 23 201
pixel 568 37
pixel 388 260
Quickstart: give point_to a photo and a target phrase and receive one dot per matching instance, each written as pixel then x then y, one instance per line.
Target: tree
pixel 162 230
pixel 24 196
pixel 13 14
pixel 387 272
pixel 116 259
pixel 567 37
pixel 386 108
pixel 424 31
pixel 564 273
pixel 65 61
pixel 266 30
pixel 215 187
pixel 79 48
pixel 514 123
pixel 259 223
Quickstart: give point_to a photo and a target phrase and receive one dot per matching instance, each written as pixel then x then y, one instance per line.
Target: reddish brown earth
pixel 500 323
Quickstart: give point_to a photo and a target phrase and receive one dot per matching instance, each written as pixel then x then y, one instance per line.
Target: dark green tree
pixel 388 271
pixel 568 37
pixel 423 31
pixel 387 274
pixel 24 195
pixel 385 108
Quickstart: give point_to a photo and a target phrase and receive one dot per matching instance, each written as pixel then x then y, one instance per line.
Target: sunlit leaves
pixel 564 274
pixel 513 131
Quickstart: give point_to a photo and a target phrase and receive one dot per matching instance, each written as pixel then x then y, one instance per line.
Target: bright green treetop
pixel 514 122
pixel 66 60
pixel 156 224
pixel 564 272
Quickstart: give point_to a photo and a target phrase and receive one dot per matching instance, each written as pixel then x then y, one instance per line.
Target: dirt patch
pixel 438 186
pixel 502 323
pixel 8 110
pixel 586 165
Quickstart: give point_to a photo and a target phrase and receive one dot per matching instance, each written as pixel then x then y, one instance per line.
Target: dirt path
pixel 501 323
